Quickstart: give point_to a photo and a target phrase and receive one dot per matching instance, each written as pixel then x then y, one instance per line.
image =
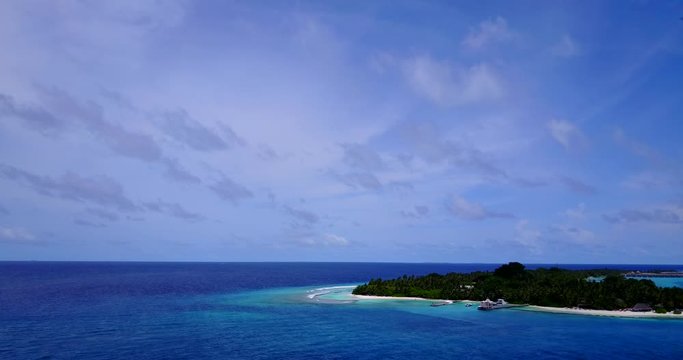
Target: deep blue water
pixel 261 311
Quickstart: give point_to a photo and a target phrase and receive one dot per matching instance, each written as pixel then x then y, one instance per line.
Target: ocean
pixel 97 310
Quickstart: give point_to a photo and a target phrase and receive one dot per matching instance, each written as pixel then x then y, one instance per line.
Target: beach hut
pixel 641 307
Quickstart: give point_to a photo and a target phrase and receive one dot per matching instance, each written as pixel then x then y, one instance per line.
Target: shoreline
pixel 375 297
pixel 605 313
pixel 546 309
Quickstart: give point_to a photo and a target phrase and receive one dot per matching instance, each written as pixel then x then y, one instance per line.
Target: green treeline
pixel 546 287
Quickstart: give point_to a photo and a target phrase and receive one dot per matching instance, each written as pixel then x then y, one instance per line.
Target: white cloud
pixel 464 209
pixel 489 31
pixel 566 133
pixel 577 213
pixel 85 30
pixel 566 47
pixel 639 149
pixel 667 215
pixel 417 212
pixel 527 236
pixel 574 234
pixel 15 234
pixel 448 84
pixel 323 240
pixel 651 180
pixel 334 240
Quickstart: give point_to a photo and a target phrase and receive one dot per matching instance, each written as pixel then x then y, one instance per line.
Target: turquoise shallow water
pixel 667 281
pixel 265 311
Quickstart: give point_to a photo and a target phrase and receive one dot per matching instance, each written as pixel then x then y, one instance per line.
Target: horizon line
pixel 322 262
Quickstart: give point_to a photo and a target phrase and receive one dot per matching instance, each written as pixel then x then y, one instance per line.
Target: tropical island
pixel 600 289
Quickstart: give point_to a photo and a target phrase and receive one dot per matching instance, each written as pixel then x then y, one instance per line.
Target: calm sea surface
pixel 263 311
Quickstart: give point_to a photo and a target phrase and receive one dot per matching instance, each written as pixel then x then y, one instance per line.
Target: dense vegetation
pixel 546 287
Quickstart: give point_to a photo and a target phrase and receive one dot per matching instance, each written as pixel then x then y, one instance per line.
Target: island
pixel 599 290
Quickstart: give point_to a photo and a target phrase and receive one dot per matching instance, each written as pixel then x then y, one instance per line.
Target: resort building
pixel 641 307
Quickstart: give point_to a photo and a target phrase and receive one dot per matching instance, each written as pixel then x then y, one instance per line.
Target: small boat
pixel 468 305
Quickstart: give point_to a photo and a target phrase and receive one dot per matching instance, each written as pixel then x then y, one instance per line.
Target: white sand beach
pixel 611 313
pixel 373 297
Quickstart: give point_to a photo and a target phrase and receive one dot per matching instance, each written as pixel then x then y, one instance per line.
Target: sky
pixel 380 131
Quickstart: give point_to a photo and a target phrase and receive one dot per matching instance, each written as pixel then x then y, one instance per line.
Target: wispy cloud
pixel 20 236
pixel 323 240
pixel 102 214
pixel 32 116
pixel 577 213
pixel 267 153
pixel 467 210
pixel 172 209
pixel 15 234
pixel 638 148
pixel 231 191
pixel 652 180
pixel 305 216
pixel 662 171
pixel 90 114
pixel 450 84
pixel 175 171
pixel 488 32
pixel 418 211
pixel 573 234
pixel 424 140
pixel 181 127
pixel 567 134
pixel 659 215
pixel 83 31
pixel 577 185
pixel 528 236
pixel 362 157
pixel 359 180
pixel 101 190
pixel 570 183
pixel 363 168
pixel 89 223
pixel 334 240
pixel 566 47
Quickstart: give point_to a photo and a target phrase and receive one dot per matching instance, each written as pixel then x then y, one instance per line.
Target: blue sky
pixel 418 131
